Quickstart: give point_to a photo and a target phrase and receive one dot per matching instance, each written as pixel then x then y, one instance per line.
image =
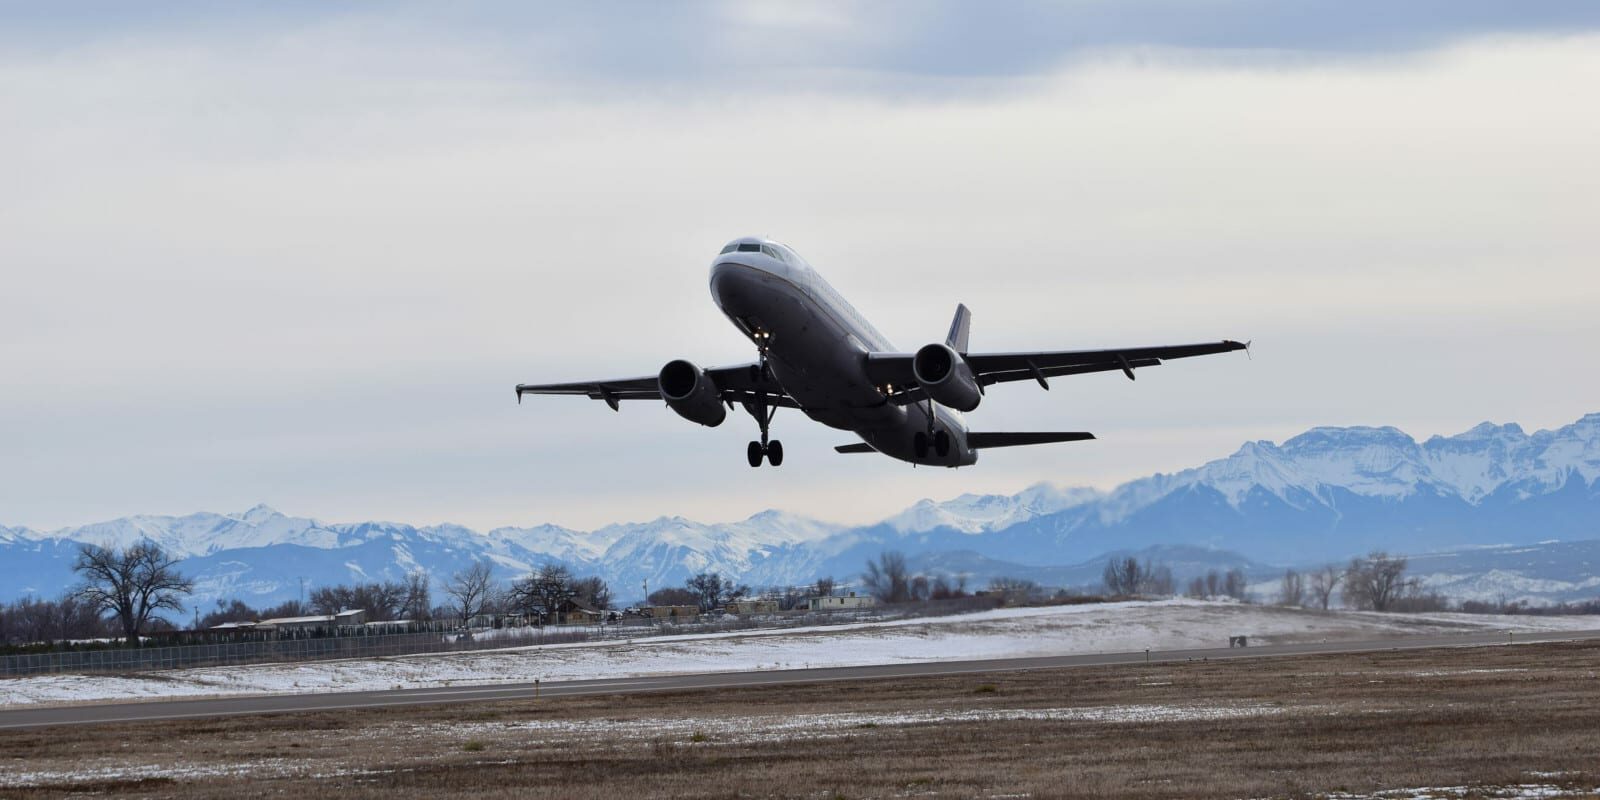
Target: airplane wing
pixel 894 369
pixel 741 383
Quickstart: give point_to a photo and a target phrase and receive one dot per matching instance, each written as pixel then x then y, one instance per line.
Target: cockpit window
pixel 770 251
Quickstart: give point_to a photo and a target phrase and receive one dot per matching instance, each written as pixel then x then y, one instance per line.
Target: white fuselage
pixel 817 347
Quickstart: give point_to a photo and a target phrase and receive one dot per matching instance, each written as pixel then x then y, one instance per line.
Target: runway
pixel 152 711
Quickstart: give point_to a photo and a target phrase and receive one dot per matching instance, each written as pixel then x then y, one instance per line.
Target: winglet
pixel 519 394
pixel 960 327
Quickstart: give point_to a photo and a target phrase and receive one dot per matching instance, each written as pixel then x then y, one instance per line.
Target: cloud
pixel 306 263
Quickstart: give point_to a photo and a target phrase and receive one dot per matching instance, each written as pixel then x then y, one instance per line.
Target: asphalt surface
pixel 151 711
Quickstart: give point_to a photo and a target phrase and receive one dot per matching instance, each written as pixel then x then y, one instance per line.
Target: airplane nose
pixel 731 283
pixel 722 280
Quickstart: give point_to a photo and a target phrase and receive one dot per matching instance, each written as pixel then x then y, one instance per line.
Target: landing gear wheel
pixel 754 453
pixel 919 445
pixel 941 444
pixel 775 453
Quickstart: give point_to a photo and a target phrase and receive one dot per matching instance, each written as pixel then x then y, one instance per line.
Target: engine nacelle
pixel 689 392
pixel 945 376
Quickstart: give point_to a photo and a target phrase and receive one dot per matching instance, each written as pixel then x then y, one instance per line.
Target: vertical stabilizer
pixel 960 327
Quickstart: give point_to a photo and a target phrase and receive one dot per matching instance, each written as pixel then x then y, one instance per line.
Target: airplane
pixel 816 354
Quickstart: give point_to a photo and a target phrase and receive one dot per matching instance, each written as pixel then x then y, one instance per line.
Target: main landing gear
pixel 771 451
pixel 937 441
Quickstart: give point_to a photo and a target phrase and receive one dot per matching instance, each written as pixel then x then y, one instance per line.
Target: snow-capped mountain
pixel 976 513
pixel 1326 494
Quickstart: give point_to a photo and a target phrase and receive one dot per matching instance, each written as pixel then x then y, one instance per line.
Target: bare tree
pixel 921 588
pixel 1234 584
pixel 1323 583
pixel 234 610
pixel 888 579
pixel 1292 590
pixel 673 596
pixel 1213 583
pixel 1197 587
pixel 381 601
pixel 792 597
pixel 541 593
pixel 592 592
pixel 471 590
pixel 1375 582
pixel 943 589
pixel 1156 579
pixel 288 608
pixel 131 584
pixel 1123 576
pixel 825 586
pixel 418 598
pixel 34 619
pixel 706 588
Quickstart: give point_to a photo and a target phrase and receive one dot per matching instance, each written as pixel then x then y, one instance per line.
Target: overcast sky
pixel 302 254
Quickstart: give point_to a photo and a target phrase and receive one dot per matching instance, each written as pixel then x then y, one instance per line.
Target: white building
pixel 849 602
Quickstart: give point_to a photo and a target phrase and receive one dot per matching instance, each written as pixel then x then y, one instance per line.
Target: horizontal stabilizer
pixel 860 447
pixel 981 441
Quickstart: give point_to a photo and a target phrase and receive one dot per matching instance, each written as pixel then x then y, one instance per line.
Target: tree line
pixel 123 591
pixel 890 580
pixel 1374 582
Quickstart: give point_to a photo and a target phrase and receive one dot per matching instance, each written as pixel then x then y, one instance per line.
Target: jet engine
pixel 690 392
pixel 945 376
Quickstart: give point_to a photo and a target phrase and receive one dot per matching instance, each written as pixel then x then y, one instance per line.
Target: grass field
pixel 1520 721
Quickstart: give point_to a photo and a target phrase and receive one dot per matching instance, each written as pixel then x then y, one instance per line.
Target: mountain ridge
pixel 1326 493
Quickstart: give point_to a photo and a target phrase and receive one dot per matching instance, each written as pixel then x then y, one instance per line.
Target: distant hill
pixel 1324 495
pixel 1552 572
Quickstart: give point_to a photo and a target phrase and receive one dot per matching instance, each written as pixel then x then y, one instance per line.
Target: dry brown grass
pixel 1303 726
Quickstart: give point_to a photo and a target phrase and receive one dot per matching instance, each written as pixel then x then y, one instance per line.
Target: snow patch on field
pixel 121 773
pixel 709 732
pixel 1523 791
pixel 1001 633
pixel 790 727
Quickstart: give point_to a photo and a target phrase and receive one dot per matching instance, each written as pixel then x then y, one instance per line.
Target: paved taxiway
pixel 281 704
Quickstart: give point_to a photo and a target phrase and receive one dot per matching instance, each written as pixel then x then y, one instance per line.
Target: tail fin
pixel 959 328
pixel 980 441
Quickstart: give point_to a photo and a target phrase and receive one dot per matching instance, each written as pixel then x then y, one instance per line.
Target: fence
pixel 140 659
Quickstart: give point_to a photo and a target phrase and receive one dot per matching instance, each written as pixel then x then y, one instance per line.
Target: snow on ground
pixel 1002 633
pixel 1520 791
pixel 766 727
pixel 678 730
